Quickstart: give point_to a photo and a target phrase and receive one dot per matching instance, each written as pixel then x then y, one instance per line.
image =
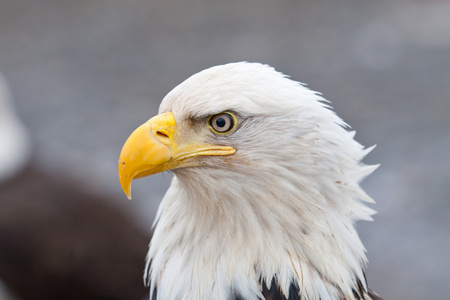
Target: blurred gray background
pixel 85 73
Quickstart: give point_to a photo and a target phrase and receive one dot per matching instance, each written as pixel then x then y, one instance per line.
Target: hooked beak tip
pixel 125 182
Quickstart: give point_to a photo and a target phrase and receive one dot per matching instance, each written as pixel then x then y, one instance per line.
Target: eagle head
pixel 265 191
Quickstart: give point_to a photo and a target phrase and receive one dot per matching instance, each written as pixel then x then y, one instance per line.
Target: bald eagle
pixel 265 192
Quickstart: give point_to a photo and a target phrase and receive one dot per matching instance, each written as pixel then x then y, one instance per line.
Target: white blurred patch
pixel 14 140
pixel 5 294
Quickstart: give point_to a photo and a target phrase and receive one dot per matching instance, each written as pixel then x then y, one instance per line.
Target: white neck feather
pixel 211 243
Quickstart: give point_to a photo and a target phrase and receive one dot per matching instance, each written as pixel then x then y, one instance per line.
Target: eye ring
pixel 222 123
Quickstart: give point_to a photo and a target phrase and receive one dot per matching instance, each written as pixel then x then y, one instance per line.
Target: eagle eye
pixel 222 123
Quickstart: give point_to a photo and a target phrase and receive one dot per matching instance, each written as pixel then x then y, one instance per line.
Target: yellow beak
pixel 155 147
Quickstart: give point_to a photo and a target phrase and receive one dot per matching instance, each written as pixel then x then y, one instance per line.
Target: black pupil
pixel 220 122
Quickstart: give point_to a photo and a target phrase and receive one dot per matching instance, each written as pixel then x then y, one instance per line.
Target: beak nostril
pixel 162 134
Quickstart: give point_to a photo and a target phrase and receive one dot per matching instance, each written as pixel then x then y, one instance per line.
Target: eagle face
pixel 265 193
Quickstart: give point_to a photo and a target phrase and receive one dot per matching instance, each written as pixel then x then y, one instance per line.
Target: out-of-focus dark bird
pixel 56 240
pixel 265 192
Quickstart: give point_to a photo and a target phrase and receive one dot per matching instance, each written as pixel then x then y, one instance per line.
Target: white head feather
pixel 15 145
pixel 283 205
